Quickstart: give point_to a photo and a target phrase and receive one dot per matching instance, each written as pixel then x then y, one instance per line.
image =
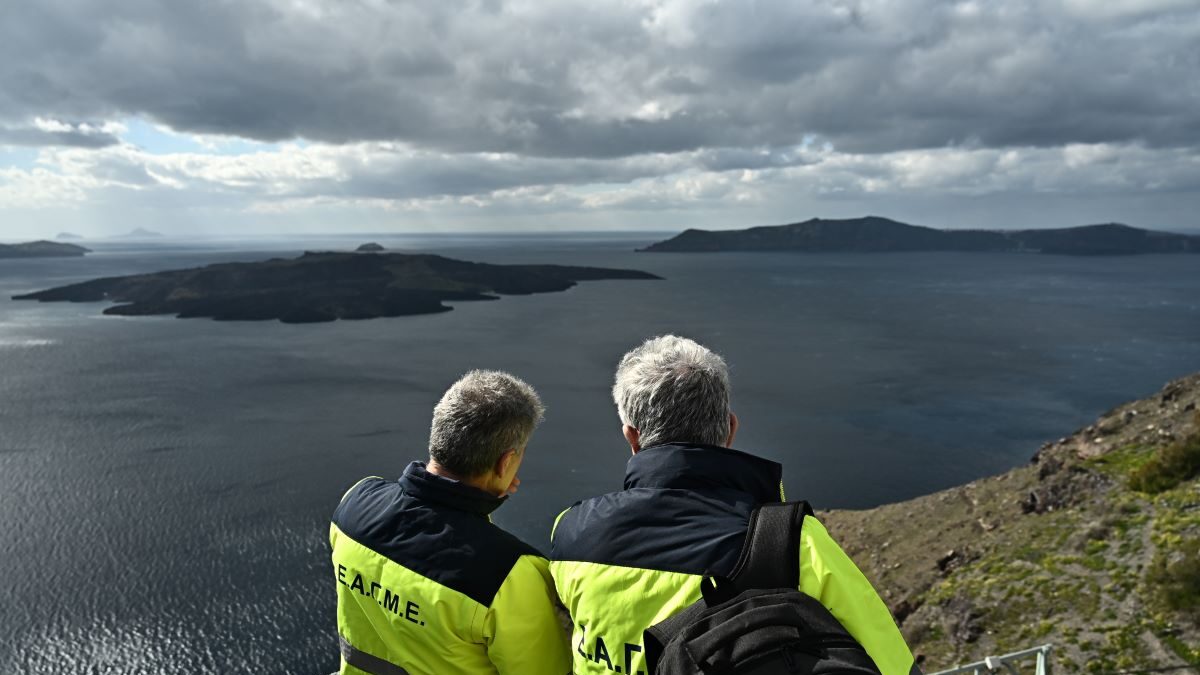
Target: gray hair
pixel 480 417
pixel 674 390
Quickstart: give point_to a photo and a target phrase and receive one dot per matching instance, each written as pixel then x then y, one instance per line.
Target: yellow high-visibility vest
pixel 427 585
pixel 625 561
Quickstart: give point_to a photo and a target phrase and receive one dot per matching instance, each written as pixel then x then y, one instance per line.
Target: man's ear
pixel 633 436
pixel 506 459
pixel 733 427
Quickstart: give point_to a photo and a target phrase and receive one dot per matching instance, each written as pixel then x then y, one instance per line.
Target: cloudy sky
pixel 271 116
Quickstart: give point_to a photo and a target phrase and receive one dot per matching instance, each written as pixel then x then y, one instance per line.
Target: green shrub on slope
pixel 1170 466
pixel 1178 582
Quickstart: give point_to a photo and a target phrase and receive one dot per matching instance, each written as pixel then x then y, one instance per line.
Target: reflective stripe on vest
pixel 368 663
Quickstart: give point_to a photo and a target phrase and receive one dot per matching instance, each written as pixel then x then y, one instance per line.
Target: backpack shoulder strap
pixel 770 557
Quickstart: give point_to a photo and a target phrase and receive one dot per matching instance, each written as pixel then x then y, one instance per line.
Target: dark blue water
pixel 165 484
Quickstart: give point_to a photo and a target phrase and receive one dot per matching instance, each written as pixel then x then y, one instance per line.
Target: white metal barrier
pixel 1008 662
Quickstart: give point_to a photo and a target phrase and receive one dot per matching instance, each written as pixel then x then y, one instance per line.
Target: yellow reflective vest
pixel 624 561
pixel 427 585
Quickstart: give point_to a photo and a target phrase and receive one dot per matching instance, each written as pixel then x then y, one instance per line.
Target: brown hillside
pixel 1063 551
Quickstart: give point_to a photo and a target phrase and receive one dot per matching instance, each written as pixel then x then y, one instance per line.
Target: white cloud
pixel 391 178
pixel 51 126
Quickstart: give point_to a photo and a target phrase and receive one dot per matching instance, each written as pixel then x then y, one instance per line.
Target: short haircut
pixel 480 417
pixel 674 390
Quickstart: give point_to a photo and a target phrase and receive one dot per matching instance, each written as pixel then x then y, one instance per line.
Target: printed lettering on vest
pixel 388 600
pixel 598 653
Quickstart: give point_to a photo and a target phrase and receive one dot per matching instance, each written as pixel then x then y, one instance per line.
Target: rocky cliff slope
pixel 1094 547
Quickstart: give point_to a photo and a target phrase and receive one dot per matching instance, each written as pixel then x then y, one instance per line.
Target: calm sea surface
pixel 165 484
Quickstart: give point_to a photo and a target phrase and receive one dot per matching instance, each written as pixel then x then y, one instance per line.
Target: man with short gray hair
pixel 426 584
pixel 672 388
pixel 627 560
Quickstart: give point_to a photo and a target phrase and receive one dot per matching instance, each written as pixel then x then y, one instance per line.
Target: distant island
pixel 874 234
pixel 42 249
pixel 140 233
pixel 323 287
pixel 370 248
pixel 65 236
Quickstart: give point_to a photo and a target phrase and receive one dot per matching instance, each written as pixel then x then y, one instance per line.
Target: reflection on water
pixel 165 484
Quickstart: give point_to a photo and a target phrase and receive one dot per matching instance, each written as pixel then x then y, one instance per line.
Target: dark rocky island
pixel 874 234
pixel 323 287
pixel 42 249
pixel 370 248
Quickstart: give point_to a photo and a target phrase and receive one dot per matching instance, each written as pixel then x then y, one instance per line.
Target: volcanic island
pixel 323 286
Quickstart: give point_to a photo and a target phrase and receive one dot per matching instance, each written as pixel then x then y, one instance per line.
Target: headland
pixel 42 249
pixel 874 234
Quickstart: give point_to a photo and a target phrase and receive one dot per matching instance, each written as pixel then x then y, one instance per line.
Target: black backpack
pixel 756 622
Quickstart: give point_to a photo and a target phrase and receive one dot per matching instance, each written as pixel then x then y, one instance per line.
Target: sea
pixel 166 484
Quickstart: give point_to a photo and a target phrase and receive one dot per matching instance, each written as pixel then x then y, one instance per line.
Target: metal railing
pixel 994 664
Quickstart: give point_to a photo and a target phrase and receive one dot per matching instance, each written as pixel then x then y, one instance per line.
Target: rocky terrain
pixel 873 234
pixel 320 287
pixel 42 249
pixel 1093 547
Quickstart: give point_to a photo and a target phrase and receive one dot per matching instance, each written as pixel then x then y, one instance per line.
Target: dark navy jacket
pixel 625 561
pixel 428 585
pixel 684 509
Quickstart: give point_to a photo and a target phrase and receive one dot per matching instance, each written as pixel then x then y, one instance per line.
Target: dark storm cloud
pixel 73 137
pixel 610 80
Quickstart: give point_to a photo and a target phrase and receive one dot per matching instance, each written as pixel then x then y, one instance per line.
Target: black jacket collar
pixel 689 466
pixel 418 482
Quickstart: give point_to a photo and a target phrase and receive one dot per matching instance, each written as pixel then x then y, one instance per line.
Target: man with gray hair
pixel 426 584
pixel 627 560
